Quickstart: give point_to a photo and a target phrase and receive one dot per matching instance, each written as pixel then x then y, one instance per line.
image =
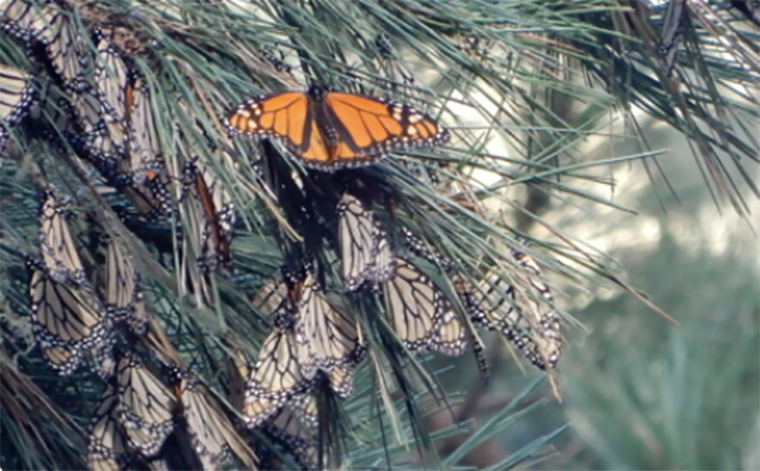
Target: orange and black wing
pixel 366 128
pixel 286 116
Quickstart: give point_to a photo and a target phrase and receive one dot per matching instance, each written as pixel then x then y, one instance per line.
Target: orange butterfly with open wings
pixel 332 130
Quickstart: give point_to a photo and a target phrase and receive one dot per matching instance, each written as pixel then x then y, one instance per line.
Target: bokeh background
pixel 640 391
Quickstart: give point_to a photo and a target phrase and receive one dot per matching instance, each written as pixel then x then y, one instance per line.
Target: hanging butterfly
pixel 364 248
pixel 66 319
pixel 212 214
pixel 114 78
pixel 124 296
pixel 524 317
pixel 277 376
pixel 59 253
pixel 420 313
pixel 100 110
pixel 101 141
pixel 327 338
pixel 143 175
pixel 146 407
pixel 332 130
pixel 235 370
pixel 107 447
pixel 422 249
pixel 212 434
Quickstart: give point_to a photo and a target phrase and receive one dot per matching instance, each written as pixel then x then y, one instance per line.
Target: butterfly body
pixel 332 130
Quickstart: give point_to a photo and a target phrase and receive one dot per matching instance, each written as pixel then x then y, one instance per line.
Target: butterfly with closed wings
pixel 364 248
pixel 420 313
pixel 146 406
pixel 107 447
pixel 212 434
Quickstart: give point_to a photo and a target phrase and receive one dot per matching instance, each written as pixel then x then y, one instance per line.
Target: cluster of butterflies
pixel 96 314
pixel 94 311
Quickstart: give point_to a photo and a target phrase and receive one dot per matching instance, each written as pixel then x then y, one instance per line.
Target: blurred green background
pixel 638 391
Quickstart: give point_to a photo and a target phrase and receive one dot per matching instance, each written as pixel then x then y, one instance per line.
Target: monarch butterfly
pixel 101 140
pixel 213 214
pixel 236 369
pixel 146 407
pixel 328 338
pixel 276 377
pixel 114 78
pixel 213 436
pixel 107 447
pixel 65 319
pixel 142 176
pixel 59 253
pixel 237 372
pixel 420 313
pixel 331 130
pixel 124 294
pixel 16 94
pixel 100 115
pixel 364 249
pixel 530 324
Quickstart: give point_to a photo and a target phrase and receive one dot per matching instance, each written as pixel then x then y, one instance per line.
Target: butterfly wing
pixel 357 236
pixel 16 94
pixel 538 316
pixel 123 291
pixel 59 253
pixel 420 313
pixel 107 445
pixel 102 141
pixel 271 297
pixel 286 116
pixel 287 431
pixel 146 406
pixel 211 432
pixel 58 30
pixel 213 214
pixel 366 128
pixel 65 319
pixel 532 326
pixel 113 79
pixel 26 20
pixel 275 378
pixel 364 248
pixel 142 174
pixel 331 338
